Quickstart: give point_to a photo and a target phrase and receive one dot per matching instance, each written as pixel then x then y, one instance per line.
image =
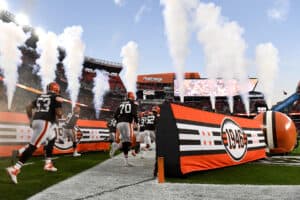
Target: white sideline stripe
pixel 269 125
pixel 32 163
pixel 29 163
pixel 53 158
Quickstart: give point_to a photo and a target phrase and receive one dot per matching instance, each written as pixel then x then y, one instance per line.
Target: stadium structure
pixel 152 89
pixel 155 88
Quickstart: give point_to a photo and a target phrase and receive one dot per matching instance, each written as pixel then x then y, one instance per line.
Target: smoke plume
pixel 3 5
pixel 177 31
pixel 267 61
pixel 47 46
pixel 223 44
pixel 130 61
pixel 11 37
pixel 73 62
pixel 101 86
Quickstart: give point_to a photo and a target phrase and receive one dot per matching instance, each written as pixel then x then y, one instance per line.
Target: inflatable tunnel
pixel 194 140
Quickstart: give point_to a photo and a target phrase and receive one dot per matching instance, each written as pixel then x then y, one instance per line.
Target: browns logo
pixel 234 139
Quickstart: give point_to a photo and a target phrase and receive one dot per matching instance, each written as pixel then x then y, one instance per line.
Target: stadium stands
pixel 29 78
pixel 155 87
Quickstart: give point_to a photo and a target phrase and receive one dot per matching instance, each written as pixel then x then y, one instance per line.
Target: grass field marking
pixel 53 158
pixel 29 163
pixel 115 189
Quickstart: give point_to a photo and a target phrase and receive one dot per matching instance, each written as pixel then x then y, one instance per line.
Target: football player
pixel 141 138
pixel 48 108
pixel 150 124
pixel 70 129
pixel 126 116
pixel 136 132
pixel 111 125
pixel 156 112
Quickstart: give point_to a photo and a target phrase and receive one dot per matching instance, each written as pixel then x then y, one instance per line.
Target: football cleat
pixel 76 154
pixel 128 164
pixel 50 167
pixel 13 172
pixel 142 154
pixel 113 149
pixel 133 153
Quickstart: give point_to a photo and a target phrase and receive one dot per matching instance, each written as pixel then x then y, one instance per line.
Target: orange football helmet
pixel 53 87
pixel 131 96
pixel 156 109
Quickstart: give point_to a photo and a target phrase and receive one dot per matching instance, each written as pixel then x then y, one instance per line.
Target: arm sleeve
pixel 57 104
pixel 116 115
pixel 33 103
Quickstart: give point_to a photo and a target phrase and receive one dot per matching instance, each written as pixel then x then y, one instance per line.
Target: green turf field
pixel 296 151
pixel 257 174
pixel 34 179
pixel 250 173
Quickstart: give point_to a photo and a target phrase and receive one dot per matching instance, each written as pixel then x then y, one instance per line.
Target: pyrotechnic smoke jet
pixel 3 5
pixel 177 30
pixel 101 86
pixel 130 60
pixel 267 61
pixel 11 37
pixel 47 47
pixel 224 47
pixel 73 62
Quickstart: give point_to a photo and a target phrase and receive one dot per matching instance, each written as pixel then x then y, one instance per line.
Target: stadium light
pixel 22 19
pixel 3 5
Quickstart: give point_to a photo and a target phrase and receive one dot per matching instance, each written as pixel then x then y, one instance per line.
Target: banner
pixel 15 133
pixel 194 140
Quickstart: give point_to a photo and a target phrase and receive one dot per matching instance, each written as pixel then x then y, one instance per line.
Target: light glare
pixel 3 5
pixel 39 31
pixel 22 19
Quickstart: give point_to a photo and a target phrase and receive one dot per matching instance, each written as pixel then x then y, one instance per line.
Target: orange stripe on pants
pixel 42 134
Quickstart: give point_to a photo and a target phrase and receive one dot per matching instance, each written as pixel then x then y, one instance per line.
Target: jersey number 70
pixel 125 108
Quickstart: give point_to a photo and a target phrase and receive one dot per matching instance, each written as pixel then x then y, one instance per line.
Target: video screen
pixel 216 87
